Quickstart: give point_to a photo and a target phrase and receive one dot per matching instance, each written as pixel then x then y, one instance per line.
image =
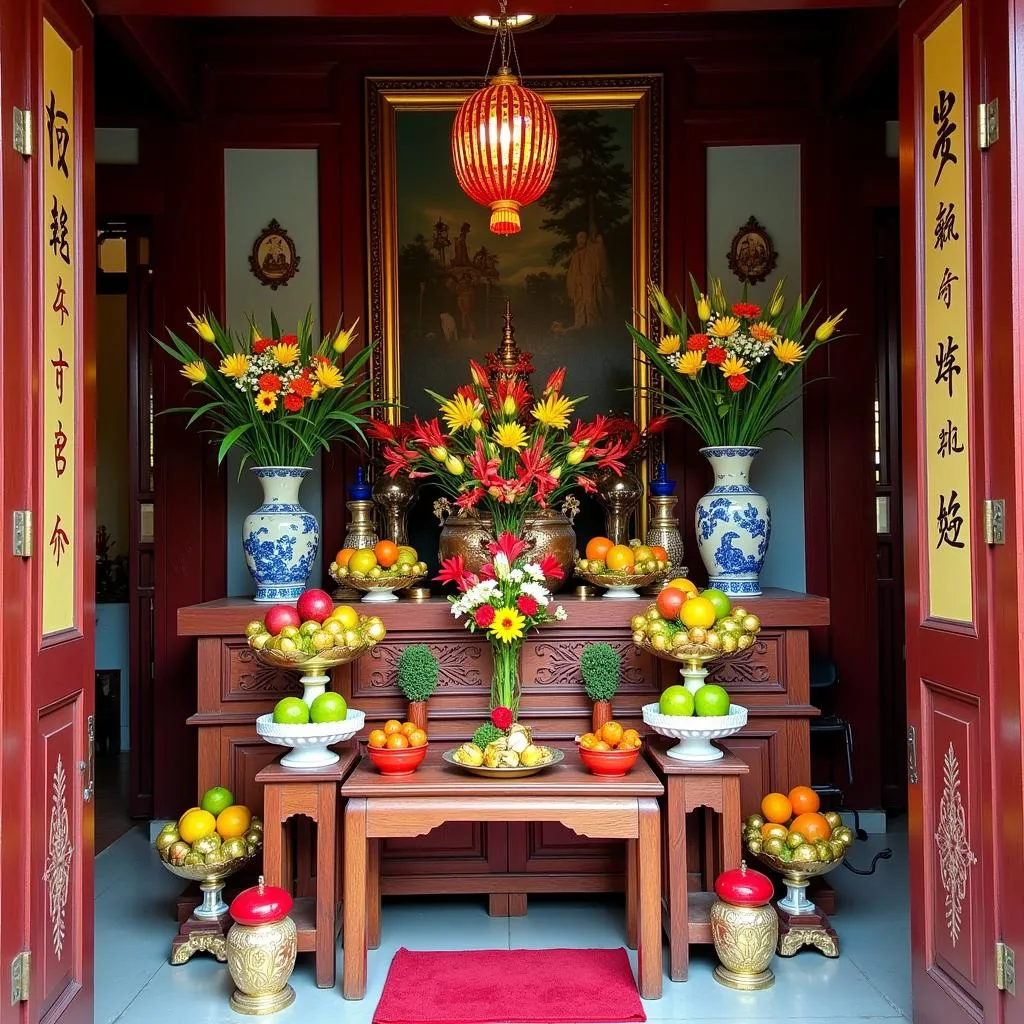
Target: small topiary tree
pixel 601 667
pixel 417 679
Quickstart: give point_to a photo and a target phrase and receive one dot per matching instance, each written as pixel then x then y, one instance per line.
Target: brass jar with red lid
pixel 744 929
pixel 261 949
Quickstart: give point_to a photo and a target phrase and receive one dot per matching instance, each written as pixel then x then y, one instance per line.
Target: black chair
pixel 824 679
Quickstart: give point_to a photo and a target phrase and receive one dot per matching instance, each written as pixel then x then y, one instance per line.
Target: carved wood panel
pixel 555 664
pixel 246 679
pixel 759 669
pixel 464 662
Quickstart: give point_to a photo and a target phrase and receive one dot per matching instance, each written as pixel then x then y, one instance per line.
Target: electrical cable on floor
pixel 885 854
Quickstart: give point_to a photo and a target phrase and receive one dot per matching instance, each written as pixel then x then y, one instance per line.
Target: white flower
pixel 516 576
pixel 561 614
pixel 533 570
pixel 537 592
pixel 501 566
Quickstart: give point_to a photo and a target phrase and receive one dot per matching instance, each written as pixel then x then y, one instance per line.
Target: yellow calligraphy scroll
pixel 57 541
pixel 946 357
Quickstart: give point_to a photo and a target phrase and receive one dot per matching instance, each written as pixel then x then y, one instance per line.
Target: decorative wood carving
pixel 60 852
pixel 251 676
pixel 559 663
pixel 458 665
pixel 749 666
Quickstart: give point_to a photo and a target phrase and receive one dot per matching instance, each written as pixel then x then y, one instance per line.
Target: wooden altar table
pixel 379 806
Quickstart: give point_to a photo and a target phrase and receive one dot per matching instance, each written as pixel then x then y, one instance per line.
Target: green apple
pixel 328 707
pixel 711 701
pixel 291 711
pixel 719 601
pixel 676 701
pixel 216 799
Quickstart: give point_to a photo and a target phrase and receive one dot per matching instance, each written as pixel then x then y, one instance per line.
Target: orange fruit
pixel 600 745
pixel 611 733
pixel 398 741
pixel 588 739
pixel 630 736
pixel 377 738
pixel 598 547
pixel 233 821
pixel 343 556
pixel 386 552
pixel 392 725
pixel 682 583
pixel 804 800
pixel 408 728
pixel 776 807
pixel 346 615
pixel 773 828
pixel 698 611
pixel 196 824
pixel 659 552
pixel 811 826
pixel 619 558
pixel 417 738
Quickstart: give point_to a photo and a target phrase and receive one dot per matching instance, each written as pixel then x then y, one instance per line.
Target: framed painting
pixel 574 275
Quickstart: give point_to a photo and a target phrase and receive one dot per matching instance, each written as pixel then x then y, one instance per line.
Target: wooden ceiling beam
pixel 869 36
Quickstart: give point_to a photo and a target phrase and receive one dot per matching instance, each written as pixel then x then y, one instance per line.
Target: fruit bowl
pixel 313 663
pixel 208 872
pixel 695 733
pixel 309 743
pixel 792 871
pixel 521 772
pixel 621 585
pixel 403 761
pixel 382 588
pixel 609 763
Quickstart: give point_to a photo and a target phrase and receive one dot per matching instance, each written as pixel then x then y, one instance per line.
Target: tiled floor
pixel 135 984
pixel 112 819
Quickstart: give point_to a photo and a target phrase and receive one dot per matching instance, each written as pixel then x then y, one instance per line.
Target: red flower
pixel 293 403
pixel 611 456
pixel 377 429
pixel 747 310
pixel 738 382
pixel 590 432
pixel 260 345
pixel 514 389
pixel 697 342
pixel 289 339
pixel 508 545
pixel 428 434
pixel 470 499
pixel 527 605
pixel 485 615
pixel 453 570
pixel 487 571
pixel 316 359
pixel 550 567
pixel 536 470
pixel 587 484
pixel 716 355
pixel 658 424
pixel 399 459
pixel 304 388
pixel 501 717
pixel 555 381
pixel 479 375
pixel 269 382
pixel 484 469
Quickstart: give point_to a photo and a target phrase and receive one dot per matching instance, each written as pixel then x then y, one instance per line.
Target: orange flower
pixel 763 332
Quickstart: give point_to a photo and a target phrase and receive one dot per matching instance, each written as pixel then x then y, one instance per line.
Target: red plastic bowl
pixel 397 762
pixel 609 762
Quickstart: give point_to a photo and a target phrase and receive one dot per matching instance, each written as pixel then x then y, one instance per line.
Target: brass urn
pixel 394 496
pixel 744 929
pixel 546 533
pixel 261 950
pixel 619 496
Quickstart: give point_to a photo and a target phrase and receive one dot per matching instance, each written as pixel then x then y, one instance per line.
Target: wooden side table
pixel 689 785
pixel 314 793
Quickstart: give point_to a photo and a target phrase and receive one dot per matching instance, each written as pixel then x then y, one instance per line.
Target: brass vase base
pixel 810 928
pixel 198 936
pixel 744 982
pixel 262 1004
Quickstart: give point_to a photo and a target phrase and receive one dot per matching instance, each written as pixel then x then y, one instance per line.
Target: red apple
pixel 279 616
pixel 669 601
pixel 314 604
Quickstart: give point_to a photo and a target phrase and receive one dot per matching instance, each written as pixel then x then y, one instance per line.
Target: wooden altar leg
pixel 649 871
pixel 326 872
pixel 631 893
pixel 506 904
pixel 353 982
pixel 678 902
pixel 730 823
pixel 273 839
pixel 373 894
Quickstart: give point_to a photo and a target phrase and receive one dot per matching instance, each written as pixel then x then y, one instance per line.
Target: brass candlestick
pixel 395 496
pixel 619 496
pixel 664 528
pixel 361 534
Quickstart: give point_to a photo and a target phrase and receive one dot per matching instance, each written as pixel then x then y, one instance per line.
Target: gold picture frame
pixel 389 102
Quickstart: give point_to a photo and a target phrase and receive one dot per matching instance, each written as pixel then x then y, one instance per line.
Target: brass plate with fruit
pixel 556 756
pixel 379 571
pixel 321 662
pixel 631 580
pixel 387 581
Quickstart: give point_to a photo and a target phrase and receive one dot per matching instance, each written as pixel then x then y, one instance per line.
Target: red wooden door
pixel 961 592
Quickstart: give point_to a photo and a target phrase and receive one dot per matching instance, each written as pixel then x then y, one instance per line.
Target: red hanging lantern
pixel 504 143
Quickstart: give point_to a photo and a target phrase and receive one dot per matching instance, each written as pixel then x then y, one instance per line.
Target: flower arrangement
pixel 502 449
pixel 732 376
pixel 279 399
pixel 506 600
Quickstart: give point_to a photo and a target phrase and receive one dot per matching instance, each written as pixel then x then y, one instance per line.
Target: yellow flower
pixel 285 354
pixel 703 309
pixel 234 365
pixel 725 327
pixel 661 304
pixel 329 375
pixel 266 402
pixel 553 411
pixel 669 344
pixel 510 435
pixel 454 465
pixel 507 625
pixel 691 363
pixel 344 338
pixel 718 302
pixel 778 300
pixel 318 390
pixel 763 332
pixel 438 453
pixel 254 334
pixel 459 412
pixel 827 327
pixel 576 456
pixel 201 326
pixel 733 367
pixel 788 352
pixel 509 405
pixel 195 371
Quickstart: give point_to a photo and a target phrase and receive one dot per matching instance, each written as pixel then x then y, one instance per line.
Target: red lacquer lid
pixel 262 904
pixel 744 887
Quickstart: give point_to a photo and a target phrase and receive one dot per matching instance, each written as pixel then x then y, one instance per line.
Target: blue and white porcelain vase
pixel 734 523
pixel 280 537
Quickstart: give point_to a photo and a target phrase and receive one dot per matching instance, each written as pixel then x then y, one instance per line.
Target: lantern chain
pixel 504 39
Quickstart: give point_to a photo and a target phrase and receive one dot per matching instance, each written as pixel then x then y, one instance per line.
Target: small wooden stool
pixel 314 793
pixel 689 785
